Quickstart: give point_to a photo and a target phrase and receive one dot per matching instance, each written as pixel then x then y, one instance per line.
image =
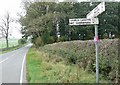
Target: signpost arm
pixel 97 63
pixel 94 13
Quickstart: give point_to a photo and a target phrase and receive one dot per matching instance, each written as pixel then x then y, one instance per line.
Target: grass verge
pixel 43 67
pixel 5 50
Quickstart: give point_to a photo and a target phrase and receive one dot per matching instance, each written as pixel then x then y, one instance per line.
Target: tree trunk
pixel 7 42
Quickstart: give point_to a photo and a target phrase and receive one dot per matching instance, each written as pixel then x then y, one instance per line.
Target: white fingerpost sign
pixel 83 21
pixel 97 10
pixel 92 20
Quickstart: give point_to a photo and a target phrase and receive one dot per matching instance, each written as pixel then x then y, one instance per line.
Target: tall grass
pixel 46 68
pixel 72 62
pixel 82 53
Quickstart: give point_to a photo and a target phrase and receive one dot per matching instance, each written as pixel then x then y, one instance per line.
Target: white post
pixel 97 63
pixel 57 29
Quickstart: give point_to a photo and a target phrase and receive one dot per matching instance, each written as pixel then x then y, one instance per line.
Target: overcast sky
pixel 14 7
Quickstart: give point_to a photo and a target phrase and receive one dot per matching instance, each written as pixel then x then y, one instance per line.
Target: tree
pixel 42 18
pixel 5 26
pixel 22 41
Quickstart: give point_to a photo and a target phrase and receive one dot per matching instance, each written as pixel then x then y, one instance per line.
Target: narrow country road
pixel 13 66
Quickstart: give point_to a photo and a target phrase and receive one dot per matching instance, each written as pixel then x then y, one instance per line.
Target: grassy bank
pixel 73 61
pixel 82 53
pixel 45 67
pixel 5 50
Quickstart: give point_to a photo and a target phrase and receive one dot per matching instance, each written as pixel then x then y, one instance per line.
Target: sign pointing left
pixel 83 21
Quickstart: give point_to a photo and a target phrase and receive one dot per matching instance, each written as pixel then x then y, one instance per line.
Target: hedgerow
pixel 82 53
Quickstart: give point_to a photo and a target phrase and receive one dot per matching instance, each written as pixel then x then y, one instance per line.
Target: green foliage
pixel 40 22
pixel 42 17
pixel 119 21
pixel 22 41
pixel 38 41
pixel 5 50
pixel 51 39
pixel 43 67
pixel 47 39
pixel 61 39
pixel 82 53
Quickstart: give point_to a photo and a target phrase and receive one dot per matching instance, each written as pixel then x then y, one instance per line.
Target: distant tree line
pixel 48 22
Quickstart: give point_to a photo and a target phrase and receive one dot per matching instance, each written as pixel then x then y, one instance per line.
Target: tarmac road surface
pixel 13 66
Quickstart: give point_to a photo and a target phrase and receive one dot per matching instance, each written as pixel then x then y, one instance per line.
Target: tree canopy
pixel 48 19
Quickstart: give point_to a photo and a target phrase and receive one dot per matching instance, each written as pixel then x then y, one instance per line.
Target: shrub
pixel 83 53
pixel 105 35
pixel 22 41
pixel 61 39
pixel 51 40
pixel 38 42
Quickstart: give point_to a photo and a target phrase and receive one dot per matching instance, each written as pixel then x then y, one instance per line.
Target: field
pixel 12 42
pixel 73 62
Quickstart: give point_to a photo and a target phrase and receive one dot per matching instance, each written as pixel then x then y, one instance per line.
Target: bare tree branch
pixel 4 23
pixel 4 28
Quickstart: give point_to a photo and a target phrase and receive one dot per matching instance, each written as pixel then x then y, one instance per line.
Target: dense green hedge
pixel 83 54
pixel 22 41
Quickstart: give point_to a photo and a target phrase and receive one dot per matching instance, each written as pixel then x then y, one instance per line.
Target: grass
pixel 43 67
pixel 73 62
pixel 5 50
pixel 12 43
